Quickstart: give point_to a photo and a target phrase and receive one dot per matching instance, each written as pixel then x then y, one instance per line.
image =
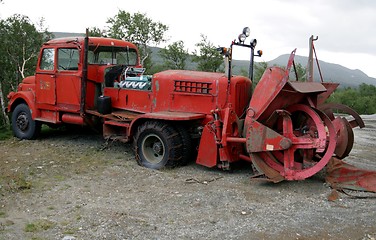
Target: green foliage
pixel 362 99
pixel 155 69
pixel 259 70
pixel 147 61
pixel 19 45
pixel 300 72
pixel 208 57
pixel 174 56
pixel 138 29
pixel 96 32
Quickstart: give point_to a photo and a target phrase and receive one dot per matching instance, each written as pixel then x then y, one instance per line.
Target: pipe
pixel 251 63
pixel 236 140
pixel 84 75
pixel 72 118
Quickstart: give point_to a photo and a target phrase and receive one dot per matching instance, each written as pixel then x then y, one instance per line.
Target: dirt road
pixel 70 185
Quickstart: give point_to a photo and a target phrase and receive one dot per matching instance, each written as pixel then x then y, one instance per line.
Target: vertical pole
pixel 229 55
pixel 84 74
pixel 250 72
pixel 310 59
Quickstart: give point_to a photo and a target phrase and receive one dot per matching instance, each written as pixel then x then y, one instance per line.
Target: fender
pixel 165 115
pixel 23 96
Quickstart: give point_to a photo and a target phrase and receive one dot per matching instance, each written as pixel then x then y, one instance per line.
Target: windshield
pixel 112 55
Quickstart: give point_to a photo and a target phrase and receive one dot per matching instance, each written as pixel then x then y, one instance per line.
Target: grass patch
pixel 39 225
pixel 3 214
pixel 51 208
pixel 5 132
pixel 15 182
pixel 59 178
pixel 70 231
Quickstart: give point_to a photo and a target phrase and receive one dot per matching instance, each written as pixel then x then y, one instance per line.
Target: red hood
pixel 29 80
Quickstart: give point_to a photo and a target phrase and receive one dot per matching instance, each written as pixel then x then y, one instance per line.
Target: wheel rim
pixel 153 148
pixel 22 121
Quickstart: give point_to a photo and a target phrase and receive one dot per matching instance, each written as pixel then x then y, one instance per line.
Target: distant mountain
pixel 67 34
pixel 331 72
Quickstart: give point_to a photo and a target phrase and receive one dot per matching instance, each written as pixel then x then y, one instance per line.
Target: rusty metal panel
pixel 330 87
pixel 307 87
pixel 341 175
pixel 208 150
pixel 261 138
pixel 267 90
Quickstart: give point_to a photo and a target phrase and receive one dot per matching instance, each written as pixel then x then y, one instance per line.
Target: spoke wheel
pixel 313 143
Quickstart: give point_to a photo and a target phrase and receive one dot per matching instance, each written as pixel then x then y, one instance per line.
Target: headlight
pixel 246 31
pixel 253 42
pixel 242 37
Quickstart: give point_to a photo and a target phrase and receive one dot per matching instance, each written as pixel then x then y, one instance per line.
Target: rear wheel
pixel 158 145
pixel 188 149
pixel 23 126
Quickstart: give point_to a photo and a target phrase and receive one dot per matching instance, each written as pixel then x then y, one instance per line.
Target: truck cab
pixel 63 83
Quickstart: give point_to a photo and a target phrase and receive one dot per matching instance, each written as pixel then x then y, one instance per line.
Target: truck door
pixel 68 79
pixel 45 78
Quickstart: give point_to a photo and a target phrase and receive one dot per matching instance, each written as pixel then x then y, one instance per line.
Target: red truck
pixel 278 126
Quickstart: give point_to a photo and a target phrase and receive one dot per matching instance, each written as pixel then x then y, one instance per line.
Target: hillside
pixel 331 72
pixel 67 34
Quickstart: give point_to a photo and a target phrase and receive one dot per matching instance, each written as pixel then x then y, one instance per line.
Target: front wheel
pixel 23 125
pixel 158 145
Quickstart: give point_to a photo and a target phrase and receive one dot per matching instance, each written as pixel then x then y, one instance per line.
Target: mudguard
pixel 23 96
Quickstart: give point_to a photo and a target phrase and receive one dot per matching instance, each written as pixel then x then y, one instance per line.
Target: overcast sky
pixel 346 28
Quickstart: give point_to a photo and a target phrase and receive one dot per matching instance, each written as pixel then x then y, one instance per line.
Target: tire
pixel 158 145
pixel 23 126
pixel 188 151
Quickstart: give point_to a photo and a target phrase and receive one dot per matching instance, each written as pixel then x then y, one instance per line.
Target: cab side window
pixel 67 59
pixel 48 59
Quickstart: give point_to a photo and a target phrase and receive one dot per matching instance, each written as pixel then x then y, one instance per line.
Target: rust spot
pixel 333 196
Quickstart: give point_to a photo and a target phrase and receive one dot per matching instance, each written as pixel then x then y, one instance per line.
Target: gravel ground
pixel 70 185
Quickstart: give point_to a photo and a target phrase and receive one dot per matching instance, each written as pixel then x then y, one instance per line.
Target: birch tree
pixel 20 41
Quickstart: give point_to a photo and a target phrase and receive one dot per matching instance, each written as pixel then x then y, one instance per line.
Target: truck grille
pixel 192 87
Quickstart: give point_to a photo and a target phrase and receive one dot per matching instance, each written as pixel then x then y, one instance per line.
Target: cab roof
pixel 101 41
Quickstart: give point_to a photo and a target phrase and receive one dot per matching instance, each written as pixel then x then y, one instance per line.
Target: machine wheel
pixel 343 126
pixel 23 126
pixel 314 139
pixel 158 145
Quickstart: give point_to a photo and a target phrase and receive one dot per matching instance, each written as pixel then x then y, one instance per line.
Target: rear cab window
pixel 68 59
